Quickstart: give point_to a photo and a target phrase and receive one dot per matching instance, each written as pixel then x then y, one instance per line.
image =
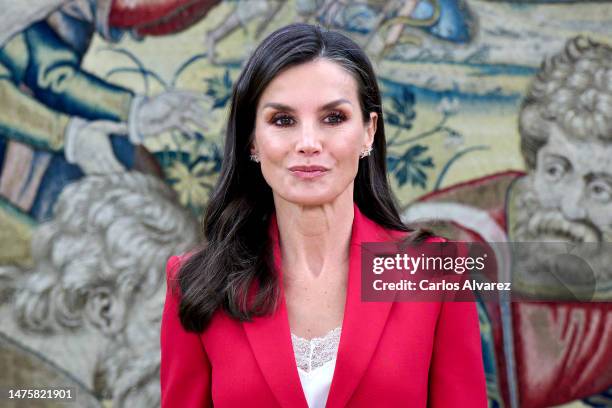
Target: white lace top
pixel 316 361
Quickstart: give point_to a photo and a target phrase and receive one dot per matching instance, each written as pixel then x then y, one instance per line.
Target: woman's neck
pixel 314 240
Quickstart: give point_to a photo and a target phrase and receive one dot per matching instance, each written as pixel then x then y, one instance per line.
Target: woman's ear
pixel 253 149
pixel 371 128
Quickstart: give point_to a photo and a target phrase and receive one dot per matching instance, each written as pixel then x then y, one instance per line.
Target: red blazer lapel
pixel 270 339
pixel 363 323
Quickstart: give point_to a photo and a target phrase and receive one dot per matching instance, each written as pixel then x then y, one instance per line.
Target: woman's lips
pixel 308 172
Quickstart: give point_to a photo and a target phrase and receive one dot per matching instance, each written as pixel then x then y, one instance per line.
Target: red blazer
pixel 391 354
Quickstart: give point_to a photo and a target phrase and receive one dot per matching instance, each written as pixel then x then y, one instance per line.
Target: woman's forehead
pixel 316 82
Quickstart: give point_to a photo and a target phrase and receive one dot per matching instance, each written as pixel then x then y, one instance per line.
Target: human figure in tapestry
pixel 548 353
pixel 58 121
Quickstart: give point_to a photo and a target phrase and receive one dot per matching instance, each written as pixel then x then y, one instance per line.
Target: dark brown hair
pixel 237 252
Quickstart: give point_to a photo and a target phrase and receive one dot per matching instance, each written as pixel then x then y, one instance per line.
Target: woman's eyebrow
pixel 283 107
pixel 335 103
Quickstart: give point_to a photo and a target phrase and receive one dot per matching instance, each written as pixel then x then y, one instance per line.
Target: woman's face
pixel 309 132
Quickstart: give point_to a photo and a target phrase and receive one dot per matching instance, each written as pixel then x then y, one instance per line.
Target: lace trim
pixel 314 353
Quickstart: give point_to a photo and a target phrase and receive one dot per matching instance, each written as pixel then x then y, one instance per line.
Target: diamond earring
pixel 255 158
pixel 365 152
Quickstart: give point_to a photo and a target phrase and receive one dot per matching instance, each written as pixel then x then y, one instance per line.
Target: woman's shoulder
pixel 174 263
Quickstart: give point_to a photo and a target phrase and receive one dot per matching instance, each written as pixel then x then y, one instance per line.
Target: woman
pixel 268 312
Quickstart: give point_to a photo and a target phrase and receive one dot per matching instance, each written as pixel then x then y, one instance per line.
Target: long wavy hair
pixel 236 252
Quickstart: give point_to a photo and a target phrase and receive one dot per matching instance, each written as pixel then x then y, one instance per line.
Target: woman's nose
pixel 308 140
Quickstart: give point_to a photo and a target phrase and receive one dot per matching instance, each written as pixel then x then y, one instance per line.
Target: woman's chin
pixel 310 198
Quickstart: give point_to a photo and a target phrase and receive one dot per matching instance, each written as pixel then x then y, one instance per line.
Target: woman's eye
pixel 335 118
pixel 283 121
